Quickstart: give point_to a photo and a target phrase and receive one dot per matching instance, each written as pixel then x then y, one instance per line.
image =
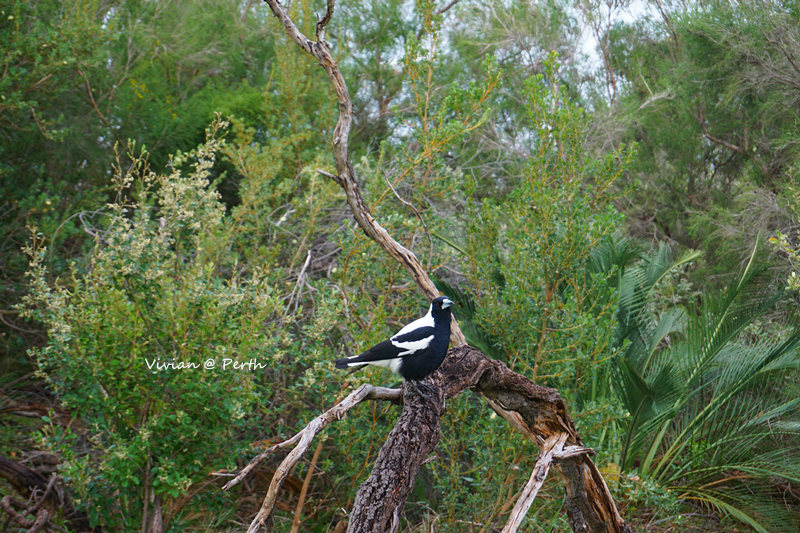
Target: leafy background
pixel 616 219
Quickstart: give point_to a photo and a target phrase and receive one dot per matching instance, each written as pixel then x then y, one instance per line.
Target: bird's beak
pixel 446 303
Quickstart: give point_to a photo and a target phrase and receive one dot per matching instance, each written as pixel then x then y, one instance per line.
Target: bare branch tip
pixel 334 177
pixel 323 21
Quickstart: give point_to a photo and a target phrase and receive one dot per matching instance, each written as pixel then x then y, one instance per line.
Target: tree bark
pixel 540 414
pixel 537 412
pixel 381 498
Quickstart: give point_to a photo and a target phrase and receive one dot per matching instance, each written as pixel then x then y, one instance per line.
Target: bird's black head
pixel 441 306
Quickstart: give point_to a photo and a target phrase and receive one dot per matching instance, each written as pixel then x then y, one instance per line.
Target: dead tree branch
pixel 381 498
pixel 346 178
pixel 48 498
pixel 540 414
pixel 537 412
pixel 552 446
pixel 305 437
pixel 18 511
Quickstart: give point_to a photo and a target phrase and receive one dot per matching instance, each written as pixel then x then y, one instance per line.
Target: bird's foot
pixel 424 390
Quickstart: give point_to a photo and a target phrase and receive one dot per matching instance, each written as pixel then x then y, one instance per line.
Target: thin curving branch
pixel 305 437
pixel 346 178
pixel 323 22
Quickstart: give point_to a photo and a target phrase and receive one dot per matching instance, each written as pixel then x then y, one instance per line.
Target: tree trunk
pixel 381 498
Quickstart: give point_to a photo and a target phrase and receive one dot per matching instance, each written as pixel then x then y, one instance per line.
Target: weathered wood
pixel 381 498
pixel 17 511
pixel 49 498
pixel 346 178
pixel 24 480
pixel 304 438
pixel 539 413
pixel 550 449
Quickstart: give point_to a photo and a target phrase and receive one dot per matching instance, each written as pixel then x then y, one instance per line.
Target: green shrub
pixel 133 331
pixel 550 314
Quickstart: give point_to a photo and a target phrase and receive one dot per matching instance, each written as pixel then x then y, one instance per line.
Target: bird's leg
pixel 426 386
pixel 418 387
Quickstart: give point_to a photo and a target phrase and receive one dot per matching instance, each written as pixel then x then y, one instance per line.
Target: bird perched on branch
pixel 414 352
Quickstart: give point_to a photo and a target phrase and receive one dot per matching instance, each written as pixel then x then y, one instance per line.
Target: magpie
pixel 414 352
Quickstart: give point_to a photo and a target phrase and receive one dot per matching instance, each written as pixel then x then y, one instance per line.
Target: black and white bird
pixel 414 352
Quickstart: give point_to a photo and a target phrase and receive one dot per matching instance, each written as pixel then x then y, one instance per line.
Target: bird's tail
pixel 342 364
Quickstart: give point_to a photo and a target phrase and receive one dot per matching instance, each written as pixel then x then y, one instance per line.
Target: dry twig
pixel 305 437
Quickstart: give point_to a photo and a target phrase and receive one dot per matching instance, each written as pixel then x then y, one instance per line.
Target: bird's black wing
pixel 398 346
pixel 414 340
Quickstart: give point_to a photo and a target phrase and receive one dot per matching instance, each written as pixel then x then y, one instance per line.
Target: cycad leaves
pixel 698 418
pixel 634 325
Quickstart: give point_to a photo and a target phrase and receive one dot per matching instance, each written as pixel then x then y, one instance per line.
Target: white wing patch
pixel 412 346
pixel 409 347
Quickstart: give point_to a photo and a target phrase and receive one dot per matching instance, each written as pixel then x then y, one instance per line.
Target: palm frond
pixel 747 504
pixel 636 286
pixel 700 418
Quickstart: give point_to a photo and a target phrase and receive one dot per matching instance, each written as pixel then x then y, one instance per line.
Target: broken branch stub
pixel 550 448
pixel 540 414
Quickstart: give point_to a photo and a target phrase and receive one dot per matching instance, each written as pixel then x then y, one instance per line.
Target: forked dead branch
pixel 537 412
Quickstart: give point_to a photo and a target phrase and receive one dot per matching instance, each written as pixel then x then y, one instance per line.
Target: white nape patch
pixel 413 346
pixel 424 322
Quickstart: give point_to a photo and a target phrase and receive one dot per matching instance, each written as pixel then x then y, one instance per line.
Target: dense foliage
pixel 621 226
